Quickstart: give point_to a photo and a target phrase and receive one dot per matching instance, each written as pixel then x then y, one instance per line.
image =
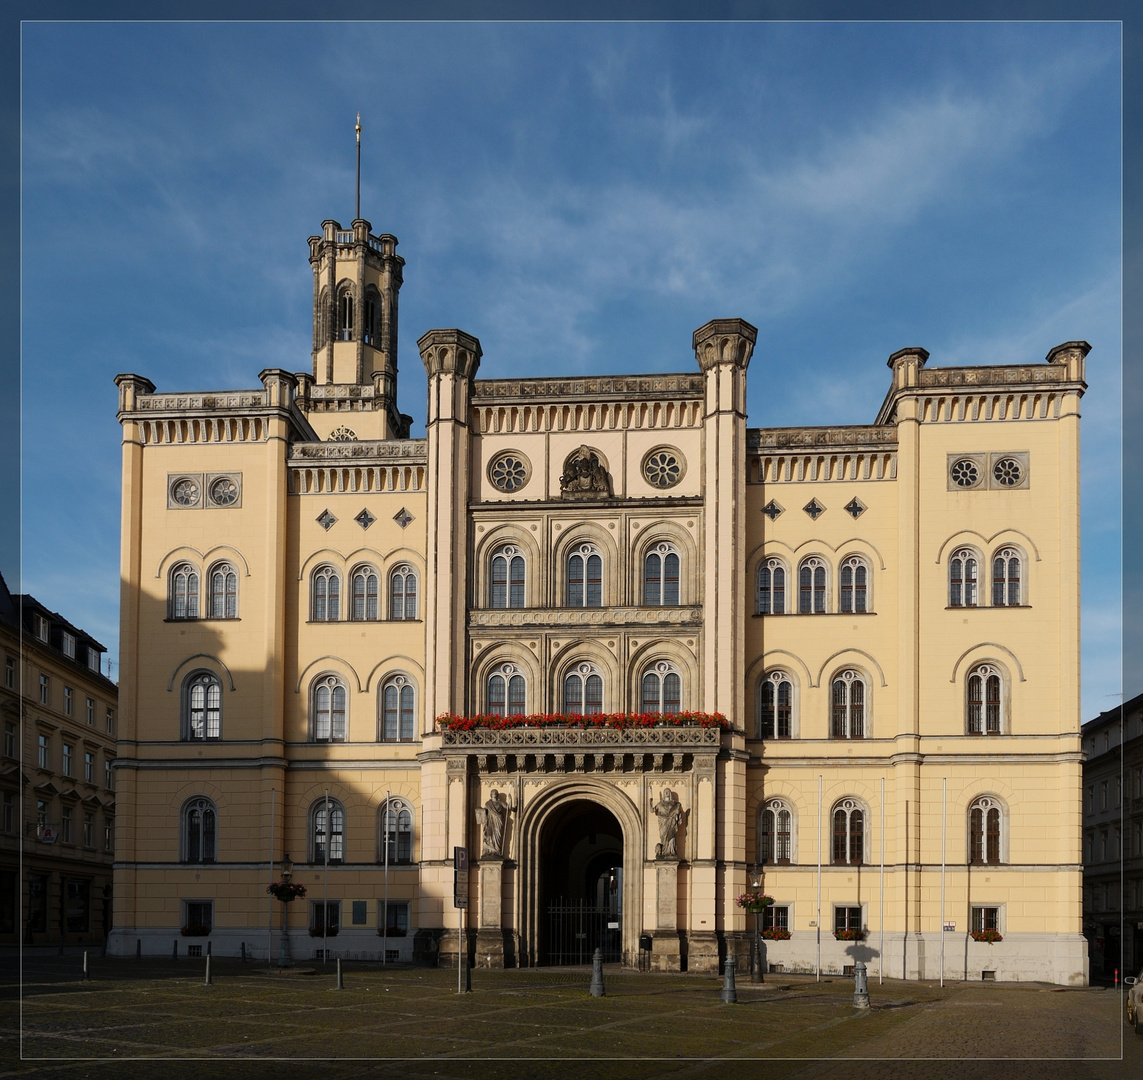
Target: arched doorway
pixel 581 884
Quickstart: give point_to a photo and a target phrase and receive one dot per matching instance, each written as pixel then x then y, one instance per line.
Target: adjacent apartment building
pixel 57 800
pixel 332 634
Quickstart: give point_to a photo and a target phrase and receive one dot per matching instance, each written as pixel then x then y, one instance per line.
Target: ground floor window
pixel 77 906
pixel 8 883
pixel 846 918
pixel 38 904
pixel 776 917
pixel 198 916
pixel 396 919
pixel 985 918
pixel 325 917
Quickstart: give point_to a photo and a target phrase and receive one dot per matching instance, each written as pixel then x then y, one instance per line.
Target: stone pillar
pixel 490 941
pixel 665 944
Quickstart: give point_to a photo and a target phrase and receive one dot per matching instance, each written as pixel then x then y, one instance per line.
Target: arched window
pixel 329 709
pixel 223 592
pixel 775 832
pixel 371 324
pixel 583 691
pixel 585 577
pixel 812 587
pixel 199 822
pixel 962 579
pixel 398 717
pixel 364 584
pixel 327 824
pixel 326 606
pixel 775 706
pixel 506 691
pixel 345 315
pixel 507 578
pixel 183 602
pixel 771 588
pixel 984 699
pixel 662 689
pixel 1006 578
pixel 854 585
pixel 848 833
pixel 848 706
pixel 984 831
pixel 202 705
pixel 403 593
pixel 396 832
pixel 661 577
pixel 322 327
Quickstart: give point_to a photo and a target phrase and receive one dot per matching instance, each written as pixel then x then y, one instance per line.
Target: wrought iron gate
pixel 576 928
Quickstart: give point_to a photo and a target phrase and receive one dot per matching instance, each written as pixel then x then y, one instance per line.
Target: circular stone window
pixel 965 473
pixel 1007 472
pixel 509 471
pixel 664 467
pixel 224 491
pixel 185 492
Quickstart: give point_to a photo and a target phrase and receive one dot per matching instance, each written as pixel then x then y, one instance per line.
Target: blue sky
pixel 580 197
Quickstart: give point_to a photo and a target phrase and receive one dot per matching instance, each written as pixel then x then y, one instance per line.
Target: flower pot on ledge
pixel 849 935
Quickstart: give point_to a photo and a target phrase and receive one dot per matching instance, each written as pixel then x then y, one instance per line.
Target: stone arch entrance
pixel 580 873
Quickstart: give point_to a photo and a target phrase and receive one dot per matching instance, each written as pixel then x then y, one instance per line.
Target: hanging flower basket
pixel 286 890
pixel 849 935
pixel 990 936
pixel 776 933
pixel 754 901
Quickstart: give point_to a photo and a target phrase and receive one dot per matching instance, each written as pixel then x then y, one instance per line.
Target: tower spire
pixel 357 204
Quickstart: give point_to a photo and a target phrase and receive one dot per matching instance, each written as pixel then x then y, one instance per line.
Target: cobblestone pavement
pixel 157 1019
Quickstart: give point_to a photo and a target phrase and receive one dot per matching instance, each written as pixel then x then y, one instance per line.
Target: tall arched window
pixel 1006 578
pixel 583 691
pixel 371 324
pixel 327 827
pixel 847 706
pixel 984 699
pixel 984 831
pixel 585 577
pixel 848 833
pixel 771 588
pixel 507 578
pixel 403 593
pixel 326 605
pixel 775 706
pixel 329 709
pixel 202 706
pixel 662 689
pixel 661 577
pixel 812 587
pixel 364 587
pixel 506 691
pixel 183 603
pixel 854 585
pixel 398 717
pixel 223 592
pixel 345 315
pixel 199 821
pixel 775 833
pixel 962 579
pixel 396 837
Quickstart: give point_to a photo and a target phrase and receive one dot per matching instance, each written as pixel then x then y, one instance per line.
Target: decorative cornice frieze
pixel 590 389
pixel 866 437
pixel 411 451
pixel 690 615
pixel 238 399
pixel 992 376
pixel 529 739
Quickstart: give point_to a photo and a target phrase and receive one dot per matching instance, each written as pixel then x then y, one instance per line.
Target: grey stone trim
pixel 690 615
pixel 556 739
pixel 634 387
pixel 841 438
pixel 380 451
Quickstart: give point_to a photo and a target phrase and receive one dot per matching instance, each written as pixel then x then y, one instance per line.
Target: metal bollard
pixel 138 948
pixel 729 993
pixel 340 984
pixel 85 974
pixel 860 987
pixel 597 989
pixel 207 980
pixel 244 952
pixel 208 948
pixel 175 950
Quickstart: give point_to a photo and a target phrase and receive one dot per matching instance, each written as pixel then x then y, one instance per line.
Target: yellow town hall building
pixel 885 614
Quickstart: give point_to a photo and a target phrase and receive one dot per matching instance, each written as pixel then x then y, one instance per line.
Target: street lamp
pixel 284 950
pixel 756 953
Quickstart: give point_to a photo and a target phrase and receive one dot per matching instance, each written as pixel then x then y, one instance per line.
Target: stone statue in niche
pixel 492 817
pixel 584 476
pixel 669 811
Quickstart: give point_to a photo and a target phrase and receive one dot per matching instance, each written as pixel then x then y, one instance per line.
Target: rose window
pixel 224 491
pixel 185 493
pixel 1007 472
pixel 509 473
pixel 662 469
pixel 965 473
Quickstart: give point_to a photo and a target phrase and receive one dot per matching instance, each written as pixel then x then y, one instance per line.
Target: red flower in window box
pixel 776 933
pixel 990 936
pixel 851 934
pixel 453 722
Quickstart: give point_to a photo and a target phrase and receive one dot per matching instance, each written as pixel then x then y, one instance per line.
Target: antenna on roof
pixel 357 205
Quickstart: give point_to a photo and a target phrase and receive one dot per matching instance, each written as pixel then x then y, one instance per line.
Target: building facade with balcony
pixel 331 633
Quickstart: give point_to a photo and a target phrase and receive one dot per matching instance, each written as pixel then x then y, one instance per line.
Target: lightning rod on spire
pixel 357 204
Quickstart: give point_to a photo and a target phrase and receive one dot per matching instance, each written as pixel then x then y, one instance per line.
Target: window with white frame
pixel 67 700
pixel 67 759
pixel 223 592
pixel 984 700
pixel 89 767
pixel 183 592
pixel 395 920
pixel 88 829
pixel 984 822
pixel 327 824
pixel 661 576
pixel 109 719
pixel 583 690
pixel 198 917
pixel 398 710
pixel 91 710
pixel 345 315
pixel 68 642
pixel 45 690
pixel 985 918
pixel 43 747
pixel 770 588
pixel 775 833
pixel 848 833
pixel 325 917
pixel 93 658
pixel 66 824
pixel 507 691
pixel 202 704
pixel 812 586
pixel 585 577
pixel 326 595
pixel 1006 578
pixel 396 832
pixel 108 832
pixel 10 672
pixel 506 578
pixel 108 776
pixel 854 585
pixel 963 579
pixel 775 706
pixel 42 627
pixel 364 581
pixel 10 739
pixel 847 709
pixel 847 919
pixel 661 689
pixel 403 593
pixel 328 697
pixel 199 830
pixel 776 917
